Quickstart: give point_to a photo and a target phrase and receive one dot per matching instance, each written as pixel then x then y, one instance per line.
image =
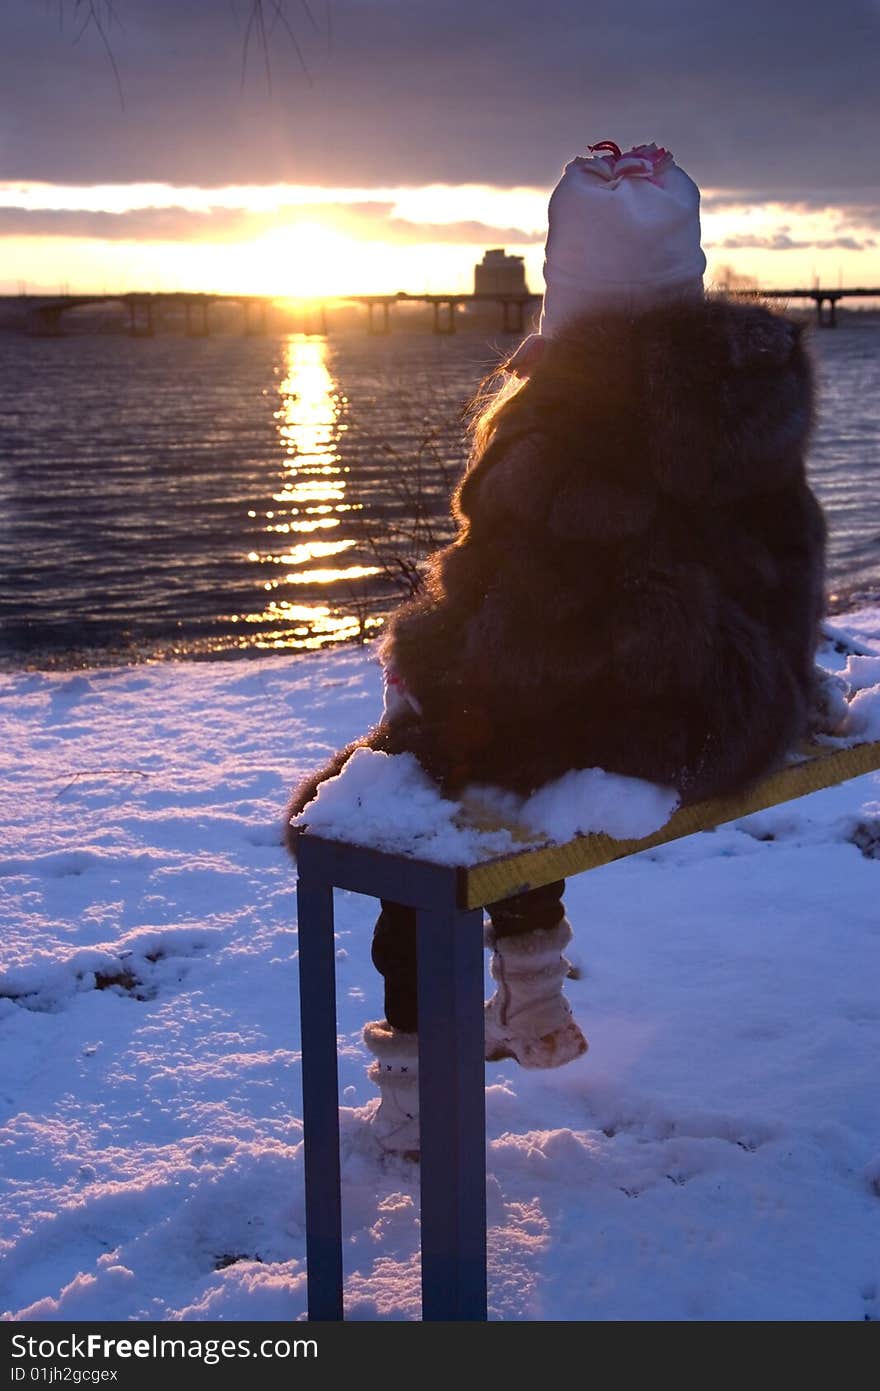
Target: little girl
pixel 636 583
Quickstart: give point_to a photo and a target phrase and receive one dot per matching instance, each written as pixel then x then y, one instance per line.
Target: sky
pixel 392 141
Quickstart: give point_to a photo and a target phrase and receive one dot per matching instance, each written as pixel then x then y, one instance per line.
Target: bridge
pixel 146 310
pixel 819 297
pixel 149 311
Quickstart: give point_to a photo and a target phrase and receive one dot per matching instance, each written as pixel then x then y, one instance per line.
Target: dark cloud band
pixel 766 97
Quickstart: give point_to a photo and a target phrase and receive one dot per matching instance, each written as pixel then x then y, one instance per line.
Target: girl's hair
pixel 488 406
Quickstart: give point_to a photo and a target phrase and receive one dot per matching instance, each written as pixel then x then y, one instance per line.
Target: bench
pixel 449 901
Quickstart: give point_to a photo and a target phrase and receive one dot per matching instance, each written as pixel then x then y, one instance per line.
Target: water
pixel 178 497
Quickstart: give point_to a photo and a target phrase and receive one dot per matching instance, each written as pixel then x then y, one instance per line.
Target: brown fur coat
pixel 637 579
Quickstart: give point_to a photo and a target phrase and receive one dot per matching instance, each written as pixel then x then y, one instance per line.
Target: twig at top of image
pixel 263 18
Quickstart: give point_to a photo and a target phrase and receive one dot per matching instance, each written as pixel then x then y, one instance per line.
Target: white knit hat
pixel 624 232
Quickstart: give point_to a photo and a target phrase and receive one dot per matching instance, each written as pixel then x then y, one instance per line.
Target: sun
pixel 309 259
pixel 302 260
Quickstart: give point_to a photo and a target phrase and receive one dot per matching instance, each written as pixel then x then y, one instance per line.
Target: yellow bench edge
pixel 529 869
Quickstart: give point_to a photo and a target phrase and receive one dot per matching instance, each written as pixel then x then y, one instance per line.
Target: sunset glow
pixel 305 241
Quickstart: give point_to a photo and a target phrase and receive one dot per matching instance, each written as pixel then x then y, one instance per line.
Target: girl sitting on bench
pixel 636 583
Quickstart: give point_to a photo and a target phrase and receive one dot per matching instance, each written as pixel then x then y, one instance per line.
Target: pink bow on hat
pixel 641 162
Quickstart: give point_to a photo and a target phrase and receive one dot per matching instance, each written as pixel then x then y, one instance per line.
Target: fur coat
pixel 637 579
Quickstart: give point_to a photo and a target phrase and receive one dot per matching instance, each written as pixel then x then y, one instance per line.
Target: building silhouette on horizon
pixel 500 274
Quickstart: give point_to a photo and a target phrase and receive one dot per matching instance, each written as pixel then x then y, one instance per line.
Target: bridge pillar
pixel 45 321
pixel 513 315
pixel 258 328
pixel 196 317
pixel 449 325
pixel 829 321
pixel 386 317
pixel 141 325
pixel 315 322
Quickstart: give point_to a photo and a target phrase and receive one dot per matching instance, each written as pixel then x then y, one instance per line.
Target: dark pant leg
pixel 538 908
pixel 394 956
pixel 394 943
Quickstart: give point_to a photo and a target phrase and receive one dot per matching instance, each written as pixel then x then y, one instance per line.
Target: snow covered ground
pixel 716 1155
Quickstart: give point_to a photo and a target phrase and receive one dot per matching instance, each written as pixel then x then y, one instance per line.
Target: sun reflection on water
pixel 312 498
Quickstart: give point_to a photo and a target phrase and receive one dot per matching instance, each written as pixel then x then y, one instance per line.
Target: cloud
pixel 757 96
pixel 783 241
pixel 858 211
pixel 143 224
pixel 363 221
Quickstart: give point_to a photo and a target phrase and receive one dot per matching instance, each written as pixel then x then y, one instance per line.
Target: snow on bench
pixel 818 767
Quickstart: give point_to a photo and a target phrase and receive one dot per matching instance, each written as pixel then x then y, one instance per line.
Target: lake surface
pixel 206 497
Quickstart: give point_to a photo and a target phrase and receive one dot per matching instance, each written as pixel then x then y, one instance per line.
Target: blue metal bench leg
pixel 452 1113
pixel 317 986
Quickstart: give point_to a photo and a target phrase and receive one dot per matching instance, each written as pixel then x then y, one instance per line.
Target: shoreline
pixel 843 602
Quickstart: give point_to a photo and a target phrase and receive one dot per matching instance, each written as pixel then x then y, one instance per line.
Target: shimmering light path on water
pixel 312 502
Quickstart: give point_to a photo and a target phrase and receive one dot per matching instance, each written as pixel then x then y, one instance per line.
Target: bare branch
pixel 415 520
pixel 278 5
pixel 102 773
pixel 245 43
pixel 99 15
pixel 261 25
pixel 278 9
pixel 90 10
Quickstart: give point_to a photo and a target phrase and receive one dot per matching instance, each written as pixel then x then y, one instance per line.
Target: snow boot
pixel 528 1017
pixel 395 1122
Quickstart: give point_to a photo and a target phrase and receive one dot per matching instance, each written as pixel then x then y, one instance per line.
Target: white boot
pixel 395 1123
pixel 528 1017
